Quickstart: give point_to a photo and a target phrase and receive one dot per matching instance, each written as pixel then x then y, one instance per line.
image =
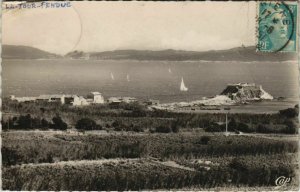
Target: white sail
pixel 112 76
pixel 182 85
pixel 170 70
pixel 127 77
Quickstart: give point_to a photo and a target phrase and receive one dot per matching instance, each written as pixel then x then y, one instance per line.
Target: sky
pixel 106 26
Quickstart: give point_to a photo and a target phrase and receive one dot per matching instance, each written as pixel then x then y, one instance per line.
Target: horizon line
pixel 129 49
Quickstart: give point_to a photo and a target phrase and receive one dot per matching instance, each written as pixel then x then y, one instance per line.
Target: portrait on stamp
pixel 277 26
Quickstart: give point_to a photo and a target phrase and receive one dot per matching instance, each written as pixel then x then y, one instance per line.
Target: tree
pixel 232 125
pixel 175 127
pixel 243 127
pixel 290 112
pixel 24 122
pixel 292 126
pixel 45 123
pixel 213 127
pixel 87 124
pixel 58 123
pixel 261 128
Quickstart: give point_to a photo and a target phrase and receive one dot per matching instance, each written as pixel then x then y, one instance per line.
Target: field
pixel 49 146
pixel 58 160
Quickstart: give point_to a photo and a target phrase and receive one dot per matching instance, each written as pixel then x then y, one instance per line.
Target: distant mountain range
pixel 25 52
pixel 235 54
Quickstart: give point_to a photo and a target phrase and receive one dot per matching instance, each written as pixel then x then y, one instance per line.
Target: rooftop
pixel 95 93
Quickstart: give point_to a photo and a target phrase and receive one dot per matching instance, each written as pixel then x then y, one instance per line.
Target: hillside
pixel 25 52
pixel 235 54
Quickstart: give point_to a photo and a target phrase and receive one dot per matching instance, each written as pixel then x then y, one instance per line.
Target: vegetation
pixel 136 117
pixel 128 161
pixel 87 124
pixel 142 174
pixel 34 148
pixel 27 122
pixel 58 123
pixel 242 160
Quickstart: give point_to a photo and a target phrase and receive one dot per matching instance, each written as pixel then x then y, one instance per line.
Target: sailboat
pixel 170 70
pixel 112 76
pixel 127 77
pixel 182 85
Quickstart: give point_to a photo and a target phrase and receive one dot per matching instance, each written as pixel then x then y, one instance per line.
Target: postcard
pixel 139 96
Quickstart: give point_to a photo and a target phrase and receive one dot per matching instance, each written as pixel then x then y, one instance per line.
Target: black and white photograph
pixel 150 96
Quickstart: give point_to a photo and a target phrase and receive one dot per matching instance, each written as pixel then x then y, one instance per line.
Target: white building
pixel 121 99
pixel 23 99
pixel 128 99
pixel 75 100
pixel 95 97
pixel 57 98
pixel 114 100
pixel 52 98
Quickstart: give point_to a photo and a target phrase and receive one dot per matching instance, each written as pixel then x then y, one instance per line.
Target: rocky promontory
pixel 233 94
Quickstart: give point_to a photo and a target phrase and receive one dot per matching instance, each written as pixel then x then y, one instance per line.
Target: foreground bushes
pixel 123 175
pixel 144 174
pixel 35 149
pixel 243 160
pixel 290 126
pixel 87 124
pixel 261 170
pixel 27 122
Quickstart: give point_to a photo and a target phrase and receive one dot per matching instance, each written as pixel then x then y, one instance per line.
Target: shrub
pixel 232 125
pixel 58 123
pixel 261 128
pixel 290 112
pixel 137 129
pixel 175 127
pixel 213 127
pixel 87 124
pixel 45 123
pixel 244 128
pixel 292 126
pixel 163 129
pixel 24 122
pixel 116 124
pixel 204 140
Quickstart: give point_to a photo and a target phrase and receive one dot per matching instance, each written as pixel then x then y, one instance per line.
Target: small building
pixel 57 99
pixel 12 97
pixel 51 98
pixel 24 99
pixel 69 99
pixel 114 101
pixel 128 99
pixel 75 100
pixel 43 98
pixel 95 97
pixel 82 101
pixel 152 102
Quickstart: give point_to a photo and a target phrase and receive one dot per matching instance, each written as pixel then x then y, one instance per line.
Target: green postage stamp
pixel 277 26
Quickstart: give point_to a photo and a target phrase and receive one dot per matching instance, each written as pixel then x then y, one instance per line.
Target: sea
pixel 145 79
